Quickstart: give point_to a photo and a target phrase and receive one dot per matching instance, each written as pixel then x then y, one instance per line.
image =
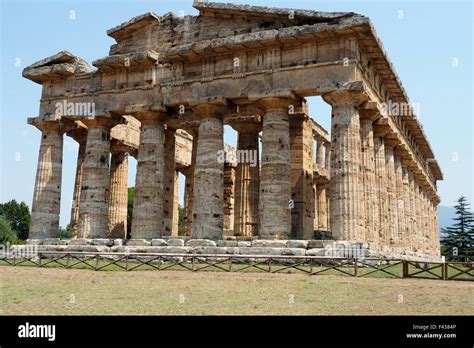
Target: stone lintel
pixel 51 123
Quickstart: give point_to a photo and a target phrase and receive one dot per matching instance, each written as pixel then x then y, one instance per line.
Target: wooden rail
pixel 311 265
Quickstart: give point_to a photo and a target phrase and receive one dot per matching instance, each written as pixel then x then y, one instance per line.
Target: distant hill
pixel 445 216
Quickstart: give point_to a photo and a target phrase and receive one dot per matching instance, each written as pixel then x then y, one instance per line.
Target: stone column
pixel 247 183
pixel 436 229
pixel 275 175
pixel 118 199
pixel 327 155
pixel 170 205
pixel 391 191
pixel 208 197
pixel 323 216
pixel 414 216
pixel 190 185
pixel 419 223
pixel 406 243
pixel 302 171
pixel 47 193
pixel 347 194
pixel 229 194
pixel 381 188
pixel 369 181
pixel 400 200
pixel 319 153
pixel 76 198
pixel 93 213
pixel 147 221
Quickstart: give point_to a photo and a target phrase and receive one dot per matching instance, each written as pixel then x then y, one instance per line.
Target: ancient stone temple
pixel 163 96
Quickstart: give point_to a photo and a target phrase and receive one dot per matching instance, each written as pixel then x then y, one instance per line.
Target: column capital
pixel 276 100
pixel 105 120
pixel 346 97
pixel 51 124
pixel 210 107
pixel 147 113
pixel 369 111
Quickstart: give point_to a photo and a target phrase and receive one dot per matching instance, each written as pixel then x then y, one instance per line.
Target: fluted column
pixel 400 199
pixel 169 184
pixel 93 213
pixel 371 214
pixel 147 221
pixel 346 189
pixel 76 198
pixel 208 197
pixel 275 175
pixel 391 191
pixel 247 183
pixel 47 193
pixel 319 153
pixel 323 216
pixel 118 199
pixel 190 185
pixel 406 241
pixel 302 171
pixel 381 188
pixel 414 217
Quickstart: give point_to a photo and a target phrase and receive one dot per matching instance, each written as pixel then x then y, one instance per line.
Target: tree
pixel 131 198
pixel 64 233
pixel 6 233
pixel 458 240
pixel 181 224
pixel 18 215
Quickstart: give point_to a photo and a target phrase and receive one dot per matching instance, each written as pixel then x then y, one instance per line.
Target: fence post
pixel 96 261
pixel 444 271
pixel 355 267
pixel 126 262
pixel 405 268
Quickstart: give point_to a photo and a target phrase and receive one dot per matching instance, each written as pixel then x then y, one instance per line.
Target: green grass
pixel 55 291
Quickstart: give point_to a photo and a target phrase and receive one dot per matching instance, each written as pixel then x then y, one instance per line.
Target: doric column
pixel 275 175
pixel 406 242
pixel 93 213
pixel 170 204
pixel 400 199
pixel 414 217
pixel 190 184
pixel 247 182
pixel 76 198
pixel 371 214
pixel 327 155
pixel 381 186
pixel 229 194
pixel 322 199
pixel 435 229
pixel 302 171
pixel 208 197
pixel 147 220
pixel 118 199
pixel 391 190
pixel 419 222
pixel 346 189
pixel 426 229
pixel 47 193
pixel 319 153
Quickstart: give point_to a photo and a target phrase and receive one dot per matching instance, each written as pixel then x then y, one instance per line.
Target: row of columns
pixel 373 193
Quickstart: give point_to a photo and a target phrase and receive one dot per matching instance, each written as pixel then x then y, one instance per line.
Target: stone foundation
pixel 230 246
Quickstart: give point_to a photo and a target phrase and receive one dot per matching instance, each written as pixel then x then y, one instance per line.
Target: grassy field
pixel 29 290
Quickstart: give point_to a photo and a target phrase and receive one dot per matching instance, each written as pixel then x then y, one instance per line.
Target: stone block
pixel 80 241
pixel 102 241
pixel 214 250
pixel 200 242
pixel 297 244
pixel 269 243
pixel 34 241
pixel 315 244
pixel 232 250
pixel 138 242
pixel 51 241
pixel 175 242
pixel 260 251
pixel 118 242
pixel 64 242
pixel 293 251
pixel 158 242
pixel 316 252
pixel 244 244
pixel 174 250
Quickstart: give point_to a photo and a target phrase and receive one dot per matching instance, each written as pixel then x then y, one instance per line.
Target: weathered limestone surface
pixel 170 185
pixel 47 194
pixel 275 176
pixel 118 196
pixel 163 95
pixel 347 194
pixel 147 220
pixel 247 184
pixel 93 212
pixel 208 197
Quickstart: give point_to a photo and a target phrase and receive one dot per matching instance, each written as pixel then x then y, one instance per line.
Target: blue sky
pixel 429 43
